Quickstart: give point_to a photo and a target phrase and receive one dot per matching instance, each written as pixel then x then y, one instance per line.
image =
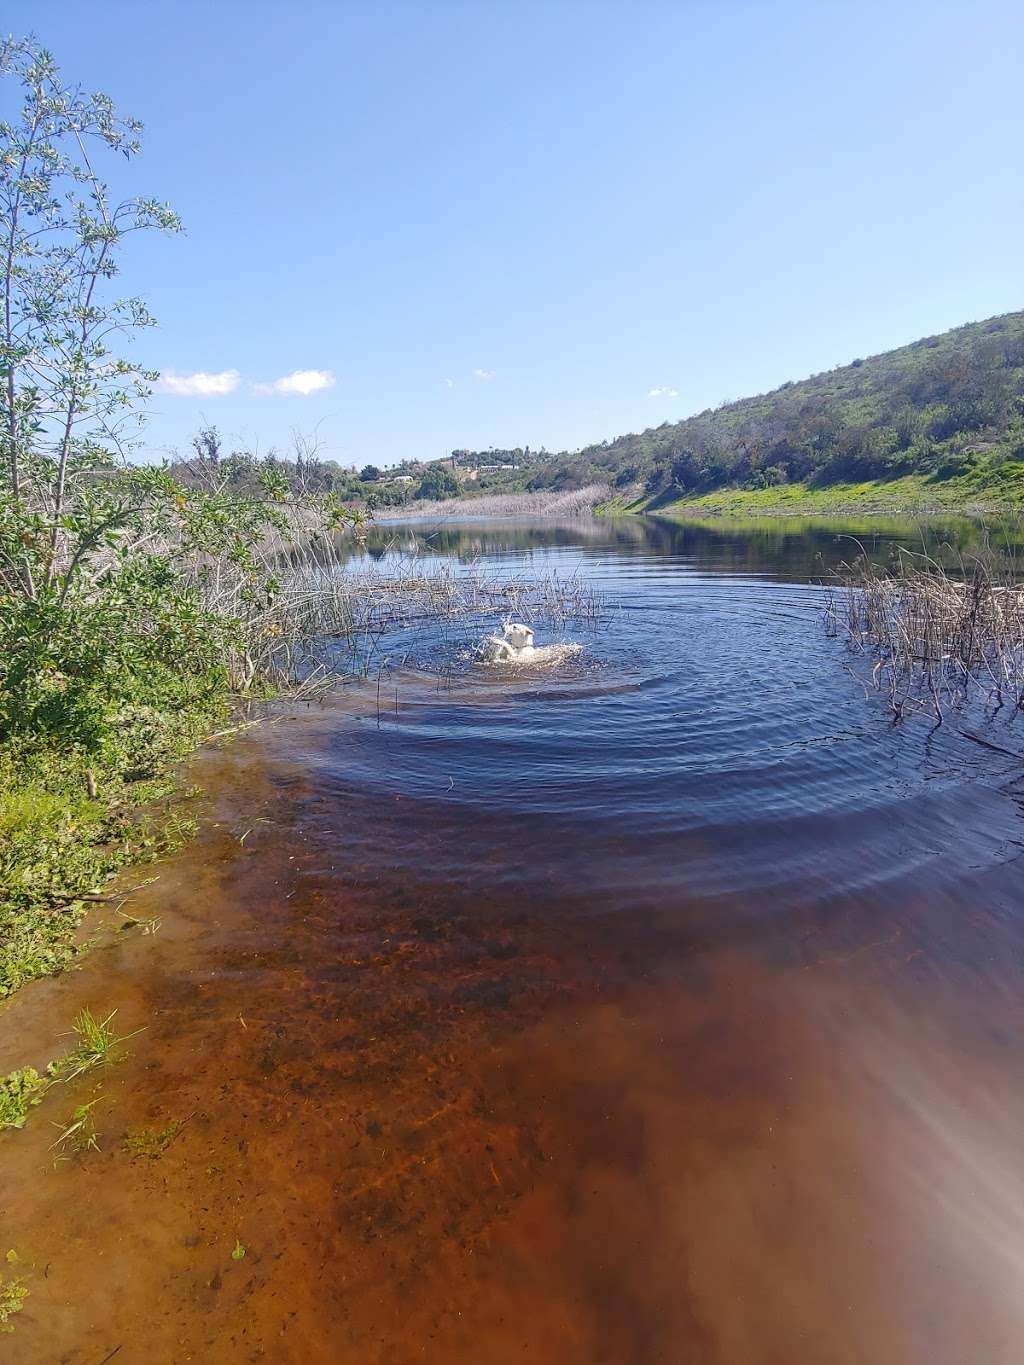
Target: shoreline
pixel 912 496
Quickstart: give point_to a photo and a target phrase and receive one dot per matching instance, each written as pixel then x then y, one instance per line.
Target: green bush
pixel 439 483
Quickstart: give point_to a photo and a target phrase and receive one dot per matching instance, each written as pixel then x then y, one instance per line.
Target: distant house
pixel 401 478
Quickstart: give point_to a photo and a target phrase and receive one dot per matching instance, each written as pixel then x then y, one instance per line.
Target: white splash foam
pixel 543 656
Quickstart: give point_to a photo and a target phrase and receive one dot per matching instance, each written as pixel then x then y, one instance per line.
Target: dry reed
pixel 327 616
pixel 939 639
pixel 574 503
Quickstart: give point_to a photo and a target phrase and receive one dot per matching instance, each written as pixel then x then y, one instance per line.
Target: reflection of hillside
pixel 791 547
pixel 466 540
pixel 808 547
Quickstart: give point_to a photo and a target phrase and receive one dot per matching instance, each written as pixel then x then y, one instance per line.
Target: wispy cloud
pixel 302 382
pixel 664 392
pixel 449 383
pixel 200 384
pixel 483 374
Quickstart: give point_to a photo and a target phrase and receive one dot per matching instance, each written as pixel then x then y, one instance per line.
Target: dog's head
pixel 518 635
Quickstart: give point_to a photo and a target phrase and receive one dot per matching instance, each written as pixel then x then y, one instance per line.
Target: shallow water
pixel 662 1005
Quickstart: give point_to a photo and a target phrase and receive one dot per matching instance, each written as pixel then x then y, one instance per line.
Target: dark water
pixel 663 1004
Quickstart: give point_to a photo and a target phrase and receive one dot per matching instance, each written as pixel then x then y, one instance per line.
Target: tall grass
pixel 328 612
pixel 573 503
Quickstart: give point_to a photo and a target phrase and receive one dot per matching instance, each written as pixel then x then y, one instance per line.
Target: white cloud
pixel 449 383
pixel 664 392
pixel 484 374
pixel 302 382
pixel 200 384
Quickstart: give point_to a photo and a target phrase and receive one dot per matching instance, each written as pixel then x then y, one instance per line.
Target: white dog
pixel 514 644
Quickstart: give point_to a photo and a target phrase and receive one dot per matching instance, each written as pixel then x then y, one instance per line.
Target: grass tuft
pixel 79 1134
pixel 96 1041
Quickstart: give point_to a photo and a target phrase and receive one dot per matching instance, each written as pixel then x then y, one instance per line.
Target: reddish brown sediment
pixel 453 1126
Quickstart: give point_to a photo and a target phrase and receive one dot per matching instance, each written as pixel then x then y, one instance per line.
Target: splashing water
pixel 542 657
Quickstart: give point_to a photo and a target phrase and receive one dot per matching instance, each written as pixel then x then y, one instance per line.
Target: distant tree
pixel 207 445
pixel 687 472
pixel 659 478
pixel 239 468
pixel 369 473
pixel 438 483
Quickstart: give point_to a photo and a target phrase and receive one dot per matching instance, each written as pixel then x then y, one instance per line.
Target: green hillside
pixel 948 409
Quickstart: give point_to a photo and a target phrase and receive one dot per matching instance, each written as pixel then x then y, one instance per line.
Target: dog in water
pixel 513 645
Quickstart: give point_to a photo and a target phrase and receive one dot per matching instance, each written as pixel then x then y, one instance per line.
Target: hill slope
pixel 950 406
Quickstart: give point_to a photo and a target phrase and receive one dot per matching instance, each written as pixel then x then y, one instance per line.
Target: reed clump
pixel 942 635
pixel 574 502
pixel 331 606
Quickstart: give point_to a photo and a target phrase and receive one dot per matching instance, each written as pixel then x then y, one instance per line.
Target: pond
pixel 660 1005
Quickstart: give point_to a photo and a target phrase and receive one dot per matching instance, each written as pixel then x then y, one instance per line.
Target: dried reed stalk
pixel 326 618
pixel 939 639
pixel 574 503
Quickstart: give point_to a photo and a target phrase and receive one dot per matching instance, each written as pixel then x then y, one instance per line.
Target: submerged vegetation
pixel 13 1293
pixel 19 1091
pixel 151 1143
pixel 23 1089
pixel 78 1135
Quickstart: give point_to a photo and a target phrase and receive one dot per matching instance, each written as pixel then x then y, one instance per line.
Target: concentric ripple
pixel 708 741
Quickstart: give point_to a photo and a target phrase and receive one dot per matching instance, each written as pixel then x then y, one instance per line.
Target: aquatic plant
pixel 96 1041
pixel 19 1090
pixel 939 639
pixel 151 1142
pixel 79 1134
pixel 13 1293
pixel 326 619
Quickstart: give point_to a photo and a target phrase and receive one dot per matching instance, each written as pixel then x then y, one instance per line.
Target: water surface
pixel 661 1006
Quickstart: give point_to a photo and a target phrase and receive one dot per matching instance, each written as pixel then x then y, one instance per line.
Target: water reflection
pixel 794 547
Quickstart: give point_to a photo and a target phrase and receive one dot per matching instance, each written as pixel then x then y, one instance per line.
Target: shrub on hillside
pixel 438 484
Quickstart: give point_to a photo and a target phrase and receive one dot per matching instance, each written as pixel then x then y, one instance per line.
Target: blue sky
pixel 491 223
